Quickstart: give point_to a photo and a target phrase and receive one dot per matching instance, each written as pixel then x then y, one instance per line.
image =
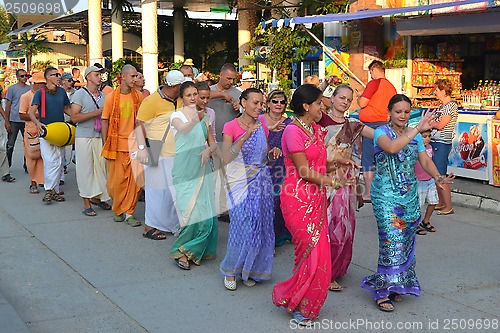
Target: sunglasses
pixel 70 80
pixel 275 101
pixel 55 74
pixel 23 75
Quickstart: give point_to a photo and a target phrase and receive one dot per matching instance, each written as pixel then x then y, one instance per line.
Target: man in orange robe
pixel 118 123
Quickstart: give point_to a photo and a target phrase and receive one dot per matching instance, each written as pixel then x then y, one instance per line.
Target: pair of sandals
pixel 423 228
pixel 51 195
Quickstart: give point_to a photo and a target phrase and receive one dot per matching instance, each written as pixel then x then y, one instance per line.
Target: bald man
pixel 118 123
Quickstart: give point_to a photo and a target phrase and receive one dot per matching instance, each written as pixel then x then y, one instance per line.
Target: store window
pixel 127 54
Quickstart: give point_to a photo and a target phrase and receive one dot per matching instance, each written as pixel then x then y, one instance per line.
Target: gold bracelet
pixel 407 135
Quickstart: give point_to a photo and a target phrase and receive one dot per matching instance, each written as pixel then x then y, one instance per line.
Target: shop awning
pixel 28 28
pixel 463 23
pixel 362 14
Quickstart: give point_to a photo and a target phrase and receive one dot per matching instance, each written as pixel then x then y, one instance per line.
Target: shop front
pixel 464 48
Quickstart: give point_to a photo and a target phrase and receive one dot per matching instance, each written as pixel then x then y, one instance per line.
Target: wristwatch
pixel 141 147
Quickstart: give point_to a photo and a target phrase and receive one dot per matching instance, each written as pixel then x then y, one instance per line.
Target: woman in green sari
pixel 193 182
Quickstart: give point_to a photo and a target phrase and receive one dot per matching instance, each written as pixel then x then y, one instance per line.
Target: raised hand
pixel 425 123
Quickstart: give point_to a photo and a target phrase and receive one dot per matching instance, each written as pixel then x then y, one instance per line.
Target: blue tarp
pixel 362 14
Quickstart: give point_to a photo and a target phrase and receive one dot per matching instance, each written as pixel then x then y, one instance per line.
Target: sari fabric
pixel 397 211
pixel 304 208
pixel 250 242
pixel 342 141
pixel 281 233
pixel 194 188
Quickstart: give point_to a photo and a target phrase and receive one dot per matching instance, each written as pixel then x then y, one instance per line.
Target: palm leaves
pixel 32 44
pixel 123 5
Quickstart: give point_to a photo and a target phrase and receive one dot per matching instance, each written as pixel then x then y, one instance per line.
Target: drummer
pixel 52 103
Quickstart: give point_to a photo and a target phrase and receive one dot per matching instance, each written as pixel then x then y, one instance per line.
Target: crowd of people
pixel 207 153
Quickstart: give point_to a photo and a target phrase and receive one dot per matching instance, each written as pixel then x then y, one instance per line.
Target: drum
pixel 59 133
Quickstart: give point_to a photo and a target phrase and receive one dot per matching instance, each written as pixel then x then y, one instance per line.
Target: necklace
pixel 243 124
pixel 398 132
pixel 336 117
pixel 306 127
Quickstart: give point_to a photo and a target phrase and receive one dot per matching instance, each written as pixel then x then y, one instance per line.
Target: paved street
pixel 62 272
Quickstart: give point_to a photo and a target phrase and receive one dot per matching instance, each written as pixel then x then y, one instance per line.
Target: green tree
pixel 6 21
pixel 33 44
pixel 289 45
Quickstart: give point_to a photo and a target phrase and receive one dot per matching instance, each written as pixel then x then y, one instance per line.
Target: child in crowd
pixel 426 189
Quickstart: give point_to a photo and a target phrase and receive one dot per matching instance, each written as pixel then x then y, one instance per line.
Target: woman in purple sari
pixel 245 150
pixel 276 121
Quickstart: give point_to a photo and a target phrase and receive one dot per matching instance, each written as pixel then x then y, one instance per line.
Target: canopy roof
pixel 362 14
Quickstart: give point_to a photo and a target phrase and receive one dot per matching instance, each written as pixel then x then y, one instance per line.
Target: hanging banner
pixel 494 150
pixel 340 47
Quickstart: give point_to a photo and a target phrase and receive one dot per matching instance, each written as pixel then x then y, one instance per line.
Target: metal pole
pixel 335 58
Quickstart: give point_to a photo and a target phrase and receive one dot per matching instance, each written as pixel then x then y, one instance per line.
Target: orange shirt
pixel 24 106
pixel 127 118
pixel 379 92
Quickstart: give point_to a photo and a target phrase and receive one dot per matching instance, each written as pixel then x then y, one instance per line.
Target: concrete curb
pixel 475 201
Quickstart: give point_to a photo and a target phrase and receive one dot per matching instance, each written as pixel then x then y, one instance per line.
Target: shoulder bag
pixel 97 119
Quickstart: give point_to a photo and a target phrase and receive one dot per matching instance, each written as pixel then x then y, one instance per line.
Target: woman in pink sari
pixel 343 145
pixel 303 202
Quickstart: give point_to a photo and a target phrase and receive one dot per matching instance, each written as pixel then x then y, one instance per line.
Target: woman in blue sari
pixel 395 202
pixel 245 150
pixel 193 182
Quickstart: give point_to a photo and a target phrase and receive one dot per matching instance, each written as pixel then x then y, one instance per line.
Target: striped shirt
pixel 448 132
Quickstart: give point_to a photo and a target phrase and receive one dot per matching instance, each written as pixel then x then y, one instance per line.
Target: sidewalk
pixel 63 272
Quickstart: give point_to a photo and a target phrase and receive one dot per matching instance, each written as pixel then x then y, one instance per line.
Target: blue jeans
pixel 440 158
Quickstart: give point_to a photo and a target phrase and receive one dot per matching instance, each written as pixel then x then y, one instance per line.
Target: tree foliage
pixel 33 44
pixel 287 45
pixel 6 22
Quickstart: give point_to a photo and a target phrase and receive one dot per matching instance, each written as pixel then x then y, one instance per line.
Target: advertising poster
pixel 469 150
pixel 495 152
pixel 340 47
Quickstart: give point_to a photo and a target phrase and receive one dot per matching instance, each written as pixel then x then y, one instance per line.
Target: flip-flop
pixel 438 207
pixel 101 204
pixel 89 212
pixel 451 211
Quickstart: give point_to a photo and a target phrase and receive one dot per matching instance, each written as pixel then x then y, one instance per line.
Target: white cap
pixel 174 77
pixel 247 76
